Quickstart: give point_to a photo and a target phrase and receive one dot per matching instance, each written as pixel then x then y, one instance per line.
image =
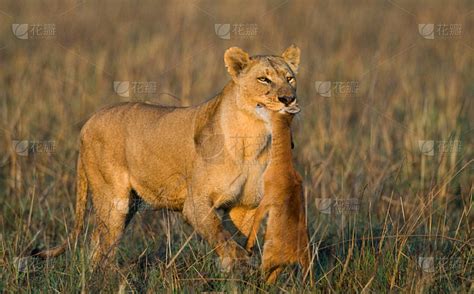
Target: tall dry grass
pixel 410 228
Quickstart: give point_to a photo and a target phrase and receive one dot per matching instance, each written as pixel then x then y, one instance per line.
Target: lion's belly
pixel 228 184
pixel 169 194
pixel 160 180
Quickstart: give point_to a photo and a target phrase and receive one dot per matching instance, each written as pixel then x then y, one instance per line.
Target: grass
pixel 413 207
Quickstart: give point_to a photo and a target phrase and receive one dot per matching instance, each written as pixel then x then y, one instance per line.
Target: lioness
pixel 189 159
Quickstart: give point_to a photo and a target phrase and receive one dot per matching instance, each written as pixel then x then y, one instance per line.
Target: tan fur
pixel 286 236
pixel 193 159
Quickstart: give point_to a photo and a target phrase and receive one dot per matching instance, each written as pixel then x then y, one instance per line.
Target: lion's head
pixel 265 81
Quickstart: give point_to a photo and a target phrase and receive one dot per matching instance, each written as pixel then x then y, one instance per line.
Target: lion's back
pixel 120 119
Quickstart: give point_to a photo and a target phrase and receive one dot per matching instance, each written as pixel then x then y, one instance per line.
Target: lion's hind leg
pixel 112 202
pixel 109 229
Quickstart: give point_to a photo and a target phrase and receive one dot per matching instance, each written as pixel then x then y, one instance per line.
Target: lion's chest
pixel 252 191
pixel 247 160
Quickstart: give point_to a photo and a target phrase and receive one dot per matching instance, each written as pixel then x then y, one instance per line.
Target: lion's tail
pixel 81 205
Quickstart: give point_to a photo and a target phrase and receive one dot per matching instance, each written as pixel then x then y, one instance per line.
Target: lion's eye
pixel 290 79
pixel 264 80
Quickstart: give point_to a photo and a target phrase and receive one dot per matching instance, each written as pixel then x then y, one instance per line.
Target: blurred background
pixel 384 140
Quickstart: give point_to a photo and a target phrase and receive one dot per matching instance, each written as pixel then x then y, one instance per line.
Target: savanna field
pixel 384 140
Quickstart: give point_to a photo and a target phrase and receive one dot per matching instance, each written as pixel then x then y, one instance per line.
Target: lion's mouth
pixel 292 109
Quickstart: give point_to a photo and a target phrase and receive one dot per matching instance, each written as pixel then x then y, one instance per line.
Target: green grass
pixel 365 146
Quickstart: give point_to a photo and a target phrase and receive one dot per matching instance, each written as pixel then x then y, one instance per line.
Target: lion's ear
pixel 235 60
pixel 292 57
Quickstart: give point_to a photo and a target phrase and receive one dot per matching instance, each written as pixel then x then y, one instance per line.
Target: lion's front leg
pixel 200 213
pixel 242 218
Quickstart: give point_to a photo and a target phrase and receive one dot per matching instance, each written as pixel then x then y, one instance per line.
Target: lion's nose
pixel 286 99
